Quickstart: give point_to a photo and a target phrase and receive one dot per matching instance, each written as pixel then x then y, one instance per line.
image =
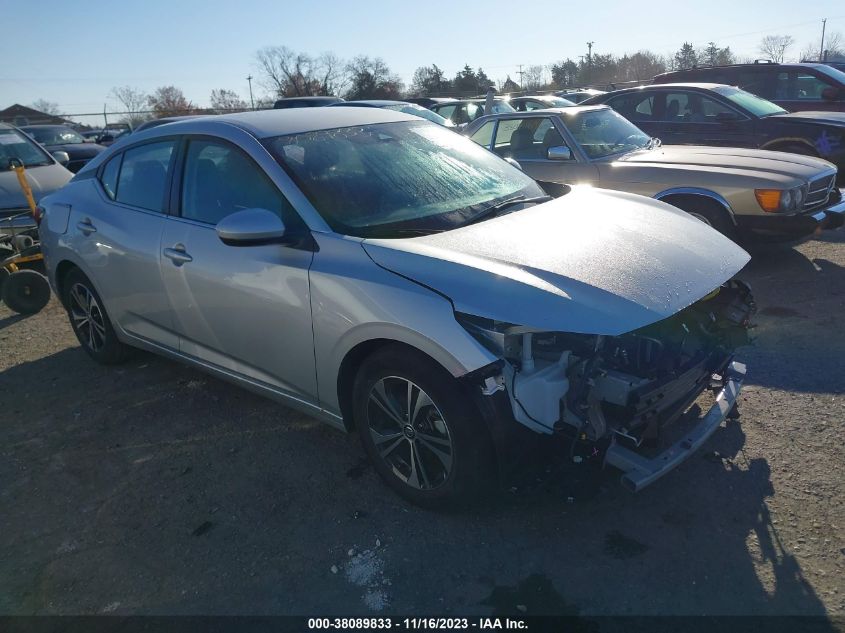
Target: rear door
pixel 117 233
pixel 245 309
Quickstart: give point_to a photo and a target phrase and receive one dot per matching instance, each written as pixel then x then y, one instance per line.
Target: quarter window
pixel 143 175
pixel 484 134
pixel 219 179
pixel 108 178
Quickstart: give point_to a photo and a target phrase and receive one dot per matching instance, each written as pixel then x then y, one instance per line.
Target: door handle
pixel 85 227
pixel 177 255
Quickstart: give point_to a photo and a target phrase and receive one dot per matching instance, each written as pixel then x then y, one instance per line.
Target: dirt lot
pixel 154 489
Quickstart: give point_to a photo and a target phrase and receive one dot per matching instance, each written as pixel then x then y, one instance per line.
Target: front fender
pixel 355 301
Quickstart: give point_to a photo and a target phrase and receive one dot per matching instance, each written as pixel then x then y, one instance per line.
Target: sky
pixel 73 54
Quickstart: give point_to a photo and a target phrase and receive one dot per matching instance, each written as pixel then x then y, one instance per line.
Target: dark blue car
pixel 715 114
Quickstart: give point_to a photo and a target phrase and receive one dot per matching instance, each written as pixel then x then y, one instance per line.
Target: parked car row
pixel 740 192
pixel 446 297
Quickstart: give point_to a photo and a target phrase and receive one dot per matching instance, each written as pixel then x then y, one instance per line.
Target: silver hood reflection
pixel 592 262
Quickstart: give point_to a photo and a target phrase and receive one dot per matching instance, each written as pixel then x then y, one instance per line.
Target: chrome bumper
pixel 640 471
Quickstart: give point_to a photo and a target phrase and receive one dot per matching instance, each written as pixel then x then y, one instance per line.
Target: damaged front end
pixel 622 395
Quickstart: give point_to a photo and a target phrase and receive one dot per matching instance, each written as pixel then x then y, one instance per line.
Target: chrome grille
pixel 819 191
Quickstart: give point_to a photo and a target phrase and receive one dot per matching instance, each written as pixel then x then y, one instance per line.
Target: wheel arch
pixel 352 361
pixel 783 145
pixel 675 195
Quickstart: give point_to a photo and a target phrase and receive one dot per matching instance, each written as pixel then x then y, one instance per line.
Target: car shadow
pixel 798 339
pixel 182 494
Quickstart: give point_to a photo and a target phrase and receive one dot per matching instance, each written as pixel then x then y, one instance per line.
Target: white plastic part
pixel 538 394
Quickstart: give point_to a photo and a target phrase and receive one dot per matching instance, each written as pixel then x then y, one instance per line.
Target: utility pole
pixel 590 53
pixel 520 76
pixel 105 118
pixel 251 100
pixel 822 56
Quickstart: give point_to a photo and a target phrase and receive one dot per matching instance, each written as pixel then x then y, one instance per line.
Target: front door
pixel 246 309
pixel 693 118
pixel 528 140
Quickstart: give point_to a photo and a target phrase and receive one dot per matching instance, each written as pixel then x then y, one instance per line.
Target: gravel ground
pixel 152 488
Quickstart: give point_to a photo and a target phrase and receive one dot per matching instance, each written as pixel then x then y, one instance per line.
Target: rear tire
pixel 89 320
pixel 424 438
pixel 26 291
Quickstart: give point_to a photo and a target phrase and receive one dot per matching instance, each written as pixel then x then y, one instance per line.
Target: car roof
pixel 45 126
pixel 267 123
pixel 372 103
pixel 695 85
pixel 567 111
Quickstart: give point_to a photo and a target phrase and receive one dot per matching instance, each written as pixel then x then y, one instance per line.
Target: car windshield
pixel 833 73
pixel 425 113
pixel 603 132
pixel 397 179
pixel 558 102
pixel 752 103
pixel 13 145
pixel 54 135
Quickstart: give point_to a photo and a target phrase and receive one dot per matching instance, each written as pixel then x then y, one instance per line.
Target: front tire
pixel 89 320
pixel 709 212
pixel 423 437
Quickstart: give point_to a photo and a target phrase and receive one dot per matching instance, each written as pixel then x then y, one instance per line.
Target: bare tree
pixel 288 73
pixel 223 101
pixel 169 101
pixel 774 47
pixel 47 107
pixel 133 101
pixel 532 78
pixel 834 49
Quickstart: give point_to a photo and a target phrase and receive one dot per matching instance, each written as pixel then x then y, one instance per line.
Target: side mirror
pixel 560 152
pixel 251 227
pixel 61 157
pixel 106 138
pixel 831 94
pixel 513 162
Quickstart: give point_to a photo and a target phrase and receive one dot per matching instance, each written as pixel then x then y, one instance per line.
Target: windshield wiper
pixel 501 206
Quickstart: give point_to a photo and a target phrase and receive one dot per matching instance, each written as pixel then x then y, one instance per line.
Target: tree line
pixel 284 72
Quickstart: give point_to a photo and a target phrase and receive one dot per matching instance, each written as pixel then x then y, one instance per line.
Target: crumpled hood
pixel 592 262
pixel 42 180
pixel 763 162
pixel 821 117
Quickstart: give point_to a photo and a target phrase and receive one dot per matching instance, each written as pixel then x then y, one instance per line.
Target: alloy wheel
pixel 87 317
pixel 409 432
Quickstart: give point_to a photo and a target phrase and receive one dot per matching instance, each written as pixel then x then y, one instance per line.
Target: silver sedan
pixel 388 276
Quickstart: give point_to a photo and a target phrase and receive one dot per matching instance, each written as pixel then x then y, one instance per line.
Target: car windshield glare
pixel 56 136
pixel 397 179
pixel 752 103
pixel 604 132
pixel 14 145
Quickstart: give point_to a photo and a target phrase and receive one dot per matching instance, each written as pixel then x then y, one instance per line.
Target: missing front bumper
pixel 640 471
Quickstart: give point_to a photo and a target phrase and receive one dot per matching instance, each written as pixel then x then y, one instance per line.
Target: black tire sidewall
pixel 113 351
pixel 472 452
pixel 26 303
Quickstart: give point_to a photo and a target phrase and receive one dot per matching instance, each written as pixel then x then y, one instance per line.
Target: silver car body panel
pixel 626 263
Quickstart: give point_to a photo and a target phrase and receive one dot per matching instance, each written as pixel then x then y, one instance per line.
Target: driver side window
pixel 219 179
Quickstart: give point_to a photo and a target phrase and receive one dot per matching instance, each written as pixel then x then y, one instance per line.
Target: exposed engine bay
pixel 633 385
